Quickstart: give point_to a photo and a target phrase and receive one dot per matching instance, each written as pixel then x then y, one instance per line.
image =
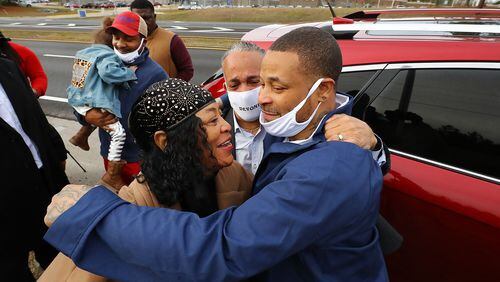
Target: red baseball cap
pixel 131 24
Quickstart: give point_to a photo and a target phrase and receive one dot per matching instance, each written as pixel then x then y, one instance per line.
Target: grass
pixel 86 37
pixel 261 15
pixel 15 11
pixel 73 36
pixel 209 42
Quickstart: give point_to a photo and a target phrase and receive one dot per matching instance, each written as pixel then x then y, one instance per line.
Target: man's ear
pixel 326 89
pixel 160 138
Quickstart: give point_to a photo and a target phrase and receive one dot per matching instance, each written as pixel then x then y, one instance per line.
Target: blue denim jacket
pixel 98 75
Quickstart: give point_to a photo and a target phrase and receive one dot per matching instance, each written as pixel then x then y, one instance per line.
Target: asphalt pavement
pixel 212 29
pixel 57 61
pixel 91 160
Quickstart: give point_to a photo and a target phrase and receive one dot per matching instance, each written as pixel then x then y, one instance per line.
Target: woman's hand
pixel 63 201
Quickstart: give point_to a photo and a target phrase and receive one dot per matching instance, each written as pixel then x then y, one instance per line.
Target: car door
pixel 442 124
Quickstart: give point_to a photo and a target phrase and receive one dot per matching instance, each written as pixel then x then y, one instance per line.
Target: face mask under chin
pixel 287 125
pixel 129 57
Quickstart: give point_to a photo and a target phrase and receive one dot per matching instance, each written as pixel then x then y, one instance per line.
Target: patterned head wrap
pixel 166 104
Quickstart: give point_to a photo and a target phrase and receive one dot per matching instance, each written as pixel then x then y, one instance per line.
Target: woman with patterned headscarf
pixel 187 161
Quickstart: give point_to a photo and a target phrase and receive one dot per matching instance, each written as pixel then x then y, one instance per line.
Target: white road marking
pixel 56 99
pixel 15 24
pixel 86 27
pixel 179 27
pixel 223 28
pixel 58 56
pixel 215 31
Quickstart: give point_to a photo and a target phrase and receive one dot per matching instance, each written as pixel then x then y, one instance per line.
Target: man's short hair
pixel 319 54
pixel 142 4
pixel 243 46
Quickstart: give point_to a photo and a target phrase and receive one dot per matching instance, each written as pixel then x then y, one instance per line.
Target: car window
pixel 352 82
pixel 447 115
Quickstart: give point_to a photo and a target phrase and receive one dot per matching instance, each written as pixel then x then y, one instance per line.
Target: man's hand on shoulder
pixel 350 129
pixel 63 201
pixel 99 118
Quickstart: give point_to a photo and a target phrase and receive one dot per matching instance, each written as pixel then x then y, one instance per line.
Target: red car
pixel 430 88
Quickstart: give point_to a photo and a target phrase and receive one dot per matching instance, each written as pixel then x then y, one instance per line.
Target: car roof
pixel 357 52
pixel 435 12
pixel 376 41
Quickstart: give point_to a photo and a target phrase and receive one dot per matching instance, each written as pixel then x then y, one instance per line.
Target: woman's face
pixel 218 134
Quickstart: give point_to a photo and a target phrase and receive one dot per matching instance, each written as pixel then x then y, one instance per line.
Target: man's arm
pixel 350 129
pixel 36 74
pixel 181 59
pixel 96 117
pixel 32 69
pixel 382 156
pixel 107 236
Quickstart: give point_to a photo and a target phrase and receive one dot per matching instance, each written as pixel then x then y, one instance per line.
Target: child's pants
pixel 117 140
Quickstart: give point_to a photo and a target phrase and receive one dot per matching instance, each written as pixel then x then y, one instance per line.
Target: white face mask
pixel 287 125
pixel 129 57
pixel 245 104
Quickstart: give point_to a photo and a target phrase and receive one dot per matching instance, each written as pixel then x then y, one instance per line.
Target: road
pixel 57 60
pixel 212 29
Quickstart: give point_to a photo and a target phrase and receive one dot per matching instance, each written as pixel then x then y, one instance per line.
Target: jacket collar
pixel 10 76
pixel 279 146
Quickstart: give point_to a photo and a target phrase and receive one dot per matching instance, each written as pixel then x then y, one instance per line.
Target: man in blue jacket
pixel 129 32
pixel 312 216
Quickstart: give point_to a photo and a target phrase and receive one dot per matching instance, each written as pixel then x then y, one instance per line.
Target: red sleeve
pixel 181 58
pixel 32 68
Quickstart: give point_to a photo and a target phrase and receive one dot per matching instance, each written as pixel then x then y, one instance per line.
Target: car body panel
pixel 449 221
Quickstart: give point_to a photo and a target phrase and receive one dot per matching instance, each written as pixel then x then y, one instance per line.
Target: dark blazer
pixel 26 190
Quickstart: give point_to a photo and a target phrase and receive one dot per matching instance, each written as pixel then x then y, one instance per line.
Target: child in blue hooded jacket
pixel 98 75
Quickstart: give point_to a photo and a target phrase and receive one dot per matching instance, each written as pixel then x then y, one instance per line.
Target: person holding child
pixel 104 87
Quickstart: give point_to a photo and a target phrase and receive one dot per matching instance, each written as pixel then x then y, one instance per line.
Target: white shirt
pixel 8 114
pixel 249 147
